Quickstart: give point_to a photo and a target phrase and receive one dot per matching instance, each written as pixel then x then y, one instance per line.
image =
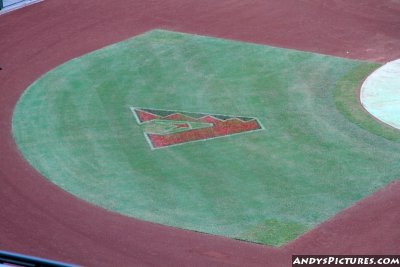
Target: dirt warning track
pixel 40 219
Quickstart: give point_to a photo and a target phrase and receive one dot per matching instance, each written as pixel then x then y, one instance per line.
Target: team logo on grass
pixel 164 128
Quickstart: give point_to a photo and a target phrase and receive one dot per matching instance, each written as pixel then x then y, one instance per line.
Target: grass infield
pixel 318 154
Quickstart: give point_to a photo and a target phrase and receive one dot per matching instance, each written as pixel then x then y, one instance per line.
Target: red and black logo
pixel 164 128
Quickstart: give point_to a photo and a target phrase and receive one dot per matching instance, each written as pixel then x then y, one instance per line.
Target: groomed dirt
pixel 40 219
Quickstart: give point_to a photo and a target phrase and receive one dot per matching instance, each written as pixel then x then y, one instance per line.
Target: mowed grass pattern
pixel 75 126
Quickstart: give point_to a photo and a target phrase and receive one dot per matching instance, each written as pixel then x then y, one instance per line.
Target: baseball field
pixel 309 161
pixel 171 143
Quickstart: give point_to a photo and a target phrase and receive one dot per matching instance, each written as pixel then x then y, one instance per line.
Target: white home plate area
pixel 380 94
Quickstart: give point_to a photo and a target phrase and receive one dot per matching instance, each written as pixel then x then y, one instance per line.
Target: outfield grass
pixel 319 152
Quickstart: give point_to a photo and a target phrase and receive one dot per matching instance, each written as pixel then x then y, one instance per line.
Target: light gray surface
pixel 12 2
pixel 10 5
pixel 380 94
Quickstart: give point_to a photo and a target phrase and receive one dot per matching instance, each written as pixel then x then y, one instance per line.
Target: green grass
pixel 312 160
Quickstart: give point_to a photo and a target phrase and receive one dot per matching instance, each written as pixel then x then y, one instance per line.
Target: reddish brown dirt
pixel 40 219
